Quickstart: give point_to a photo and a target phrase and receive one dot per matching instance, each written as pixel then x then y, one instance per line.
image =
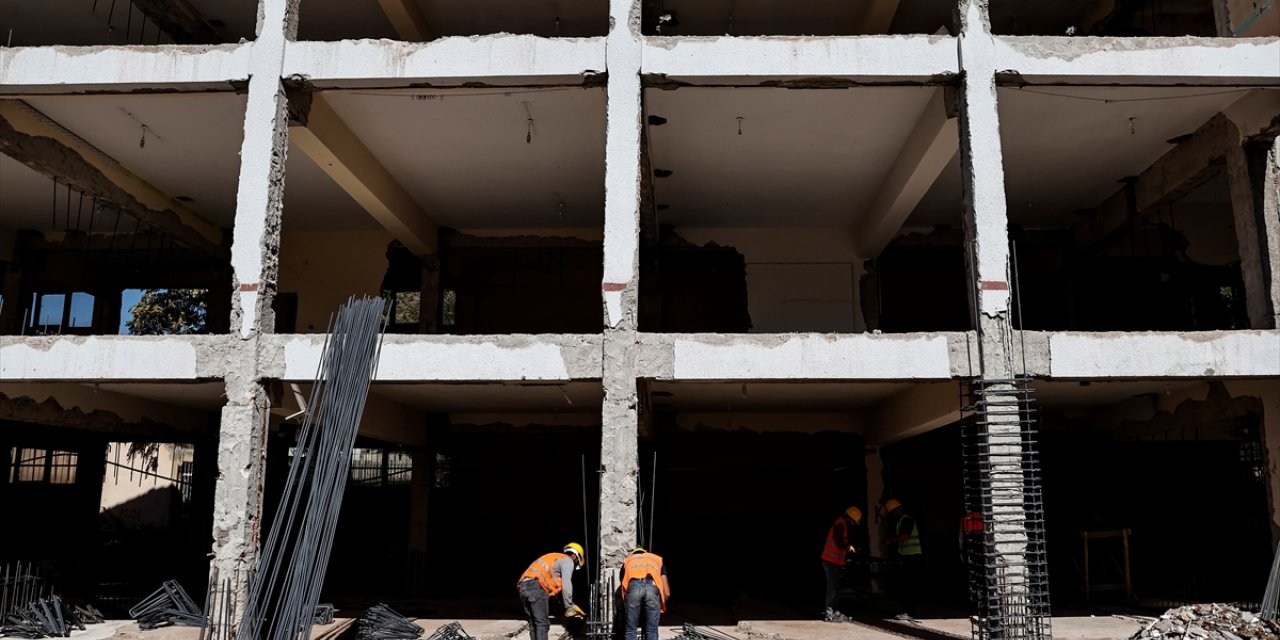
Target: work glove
pixel 575 612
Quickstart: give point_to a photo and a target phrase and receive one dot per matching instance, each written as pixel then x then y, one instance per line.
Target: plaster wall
pixel 325 268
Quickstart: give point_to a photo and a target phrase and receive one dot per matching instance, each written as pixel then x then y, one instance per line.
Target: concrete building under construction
pixel 696 274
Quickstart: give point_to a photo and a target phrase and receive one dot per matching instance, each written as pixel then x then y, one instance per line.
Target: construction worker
pixel 904 547
pixel 644 592
pixel 834 556
pixel 549 575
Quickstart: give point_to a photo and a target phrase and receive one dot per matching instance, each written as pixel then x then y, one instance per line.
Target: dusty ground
pixel 1066 628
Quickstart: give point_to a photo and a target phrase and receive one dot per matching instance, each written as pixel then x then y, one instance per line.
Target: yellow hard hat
pixel 854 514
pixel 577 551
pixel 890 505
pixel 638 550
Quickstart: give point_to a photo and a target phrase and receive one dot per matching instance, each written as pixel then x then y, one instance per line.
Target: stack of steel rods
pixel 381 622
pixel 284 591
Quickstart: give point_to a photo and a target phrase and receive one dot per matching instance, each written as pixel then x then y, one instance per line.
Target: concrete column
pixel 419 494
pixel 620 287
pixel 986 225
pixel 254 251
pixel 1254 176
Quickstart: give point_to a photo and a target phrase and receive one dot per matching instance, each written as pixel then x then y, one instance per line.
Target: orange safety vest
pixel 645 565
pixel 832 552
pixel 543 570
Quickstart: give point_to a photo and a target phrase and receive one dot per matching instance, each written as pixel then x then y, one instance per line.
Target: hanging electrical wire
pixel 285 590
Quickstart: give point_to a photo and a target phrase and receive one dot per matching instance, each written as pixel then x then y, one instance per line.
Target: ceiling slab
pixel 186 145
pixel 570 397
pixel 1068 148
pixel 763 157
pixel 489 159
pixel 77 22
pixel 801 17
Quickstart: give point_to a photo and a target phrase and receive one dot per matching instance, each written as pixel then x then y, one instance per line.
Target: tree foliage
pixel 169 311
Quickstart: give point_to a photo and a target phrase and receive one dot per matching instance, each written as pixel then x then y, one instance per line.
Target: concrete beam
pixel 796 356
pixel 407 19
pixel 384 419
pixel 1146 61
pixel 114 358
pixel 503 59
pixel 338 151
pixel 757 60
pixel 877 17
pixel 1200 354
pixel 180 21
pixel 39 70
pixel 933 142
pixel 448 358
pixel 914 411
pixel 31 138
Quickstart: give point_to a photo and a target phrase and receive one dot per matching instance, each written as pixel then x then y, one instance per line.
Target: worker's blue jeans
pixel 534 598
pixel 643 599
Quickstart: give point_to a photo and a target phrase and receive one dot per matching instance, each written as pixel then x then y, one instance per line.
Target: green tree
pixel 169 311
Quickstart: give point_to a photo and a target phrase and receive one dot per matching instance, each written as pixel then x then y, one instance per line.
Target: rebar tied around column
pixel 1004 535
pixel 602 614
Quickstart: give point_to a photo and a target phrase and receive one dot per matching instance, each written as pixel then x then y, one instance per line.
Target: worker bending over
pixel 644 592
pixel 549 575
pixel 834 556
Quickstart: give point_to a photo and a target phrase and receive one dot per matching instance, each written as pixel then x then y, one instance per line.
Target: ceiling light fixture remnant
pixel 662 173
pixel 739 125
pixel 667 19
pixel 528 135
pixel 1133 131
pixel 561 209
pixel 558 33
pixel 657 121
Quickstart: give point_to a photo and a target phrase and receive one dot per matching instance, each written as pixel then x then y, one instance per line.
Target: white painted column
pixel 242 436
pixel 620 287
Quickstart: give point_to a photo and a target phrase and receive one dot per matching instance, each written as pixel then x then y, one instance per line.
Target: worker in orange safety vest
pixel 834 556
pixel 549 575
pixel 644 592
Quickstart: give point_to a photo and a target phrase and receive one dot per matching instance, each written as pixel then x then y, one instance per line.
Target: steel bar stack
pixel 168 606
pixel 381 622
pixel 1271 598
pixel 691 632
pixel 18 587
pixel 1008 567
pixel 42 618
pixel 284 591
pixel 601 615
pixel 451 631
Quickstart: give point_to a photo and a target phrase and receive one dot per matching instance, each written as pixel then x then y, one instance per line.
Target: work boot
pixel 835 616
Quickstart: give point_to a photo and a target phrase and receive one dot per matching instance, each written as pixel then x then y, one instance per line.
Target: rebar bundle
pixel 691 632
pixel 18 587
pixel 284 591
pixel 42 618
pixel 323 615
pixel 451 631
pixel 167 606
pixel 381 622
pixel 1005 543
pixel 602 616
pixel 1271 598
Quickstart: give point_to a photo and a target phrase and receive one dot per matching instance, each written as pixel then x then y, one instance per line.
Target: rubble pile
pixel 1209 622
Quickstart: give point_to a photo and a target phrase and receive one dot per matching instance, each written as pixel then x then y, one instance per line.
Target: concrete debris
pixel 1208 622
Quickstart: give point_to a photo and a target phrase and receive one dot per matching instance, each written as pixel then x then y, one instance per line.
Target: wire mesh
pixel 1004 523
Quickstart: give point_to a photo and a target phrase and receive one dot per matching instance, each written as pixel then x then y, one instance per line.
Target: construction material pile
pixel 1209 622
pixel 285 589
pixel 324 614
pixel 168 606
pixel 451 631
pixel 690 632
pixel 381 622
pixel 43 618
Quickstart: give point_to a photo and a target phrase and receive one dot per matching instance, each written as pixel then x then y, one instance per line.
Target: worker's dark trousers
pixel 644 605
pixel 833 584
pixel 908 581
pixel 534 598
